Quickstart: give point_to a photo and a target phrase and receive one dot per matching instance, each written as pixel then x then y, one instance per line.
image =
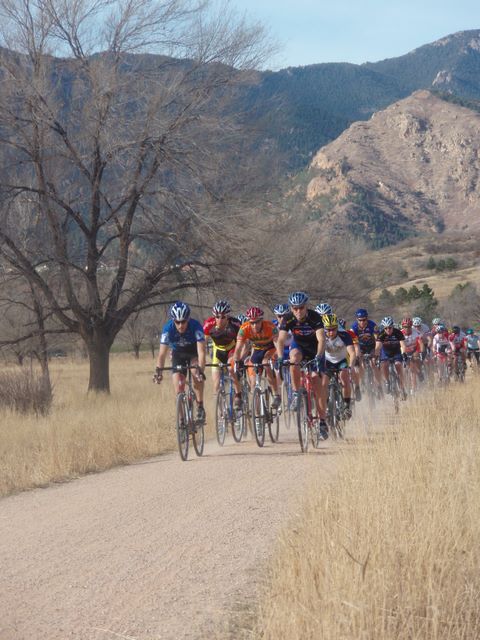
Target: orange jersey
pixel 261 340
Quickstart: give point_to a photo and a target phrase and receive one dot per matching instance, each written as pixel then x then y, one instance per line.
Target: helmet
pixel 417 322
pixel 361 313
pixel 441 327
pixel 179 311
pixel 407 322
pixel 298 298
pixel 221 308
pixel 323 308
pixel 341 323
pixel 330 321
pixel 456 329
pixel 242 318
pixel 254 313
pixel 281 309
pixel 387 322
pixel 470 332
pixel 436 321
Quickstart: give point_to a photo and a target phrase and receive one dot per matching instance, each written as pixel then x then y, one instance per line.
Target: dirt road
pixel 160 549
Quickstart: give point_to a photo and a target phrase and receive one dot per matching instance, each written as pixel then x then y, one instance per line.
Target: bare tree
pixel 120 161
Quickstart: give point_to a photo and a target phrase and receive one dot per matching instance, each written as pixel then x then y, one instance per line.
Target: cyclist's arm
pixel 202 353
pixel 239 348
pixel 352 355
pixel 282 337
pixel 378 347
pixel 320 333
pixel 403 348
pixel 162 355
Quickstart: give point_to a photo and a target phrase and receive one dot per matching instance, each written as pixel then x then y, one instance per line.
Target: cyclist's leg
pixel 179 359
pixel 271 377
pixel 295 356
pixel 216 373
pixel 345 380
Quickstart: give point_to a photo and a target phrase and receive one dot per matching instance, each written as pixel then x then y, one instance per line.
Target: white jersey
pixel 411 341
pixel 336 348
pixel 441 343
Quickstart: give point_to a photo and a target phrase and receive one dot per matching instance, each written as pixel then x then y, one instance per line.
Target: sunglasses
pixel 256 321
pixel 180 321
pixel 299 308
pixel 331 329
pixel 362 319
pixel 221 317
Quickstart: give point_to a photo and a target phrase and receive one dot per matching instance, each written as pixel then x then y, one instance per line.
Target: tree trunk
pixel 136 351
pixel 98 347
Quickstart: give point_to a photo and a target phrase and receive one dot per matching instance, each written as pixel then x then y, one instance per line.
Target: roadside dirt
pixel 160 549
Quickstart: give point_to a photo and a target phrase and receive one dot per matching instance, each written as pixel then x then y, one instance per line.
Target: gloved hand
pixel 318 364
pixel 423 356
pixel 377 361
pixel 236 368
pixel 158 375
pixel 200 376
pixel 278 364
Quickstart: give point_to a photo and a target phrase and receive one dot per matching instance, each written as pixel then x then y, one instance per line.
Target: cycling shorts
pixel 221 355
pixel 183 357
pixel 384 357
pixel 308 353
pixel 336 366
pixel 258 356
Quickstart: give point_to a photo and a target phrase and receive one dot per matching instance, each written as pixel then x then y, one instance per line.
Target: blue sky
pixel 312 31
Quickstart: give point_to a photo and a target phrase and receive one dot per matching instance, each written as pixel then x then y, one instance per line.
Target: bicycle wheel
pixel 302 420
pixel 286 400
pixel 340 411
pixel 258 417
pixel 221 418
pixel 182 426
pixel 395 387
pixel 246 417
pixel 198 428
pixel 332 410
pixel 313 420
pixel 273 417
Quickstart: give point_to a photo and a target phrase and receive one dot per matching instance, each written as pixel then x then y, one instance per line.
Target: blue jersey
pixel 366 335
pixel 176 340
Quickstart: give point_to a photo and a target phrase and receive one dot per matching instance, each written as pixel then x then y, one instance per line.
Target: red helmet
pixel 407 322
pixel 254 313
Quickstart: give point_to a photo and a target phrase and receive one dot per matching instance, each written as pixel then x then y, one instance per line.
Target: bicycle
pixel 262 412
pixel 336 407
pixel 442 369
pixel 186 408
pixel 458 367
pixel 369 382
pixel 225 413
pixel 308 422
pixel 394 386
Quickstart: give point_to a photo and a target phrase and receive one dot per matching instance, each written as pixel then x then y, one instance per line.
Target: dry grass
pixel 85 433
pixel 390 549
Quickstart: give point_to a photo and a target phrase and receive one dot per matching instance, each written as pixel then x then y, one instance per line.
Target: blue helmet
pixel 388 322
pixel 361 313
pixel 179 311
pixel 242 318
pixel 298 298
pixel 324 309
pixel 281 309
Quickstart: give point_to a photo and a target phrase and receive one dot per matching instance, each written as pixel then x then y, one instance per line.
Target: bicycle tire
pixel 302 420
pixel 246 418
pixel 313 421
pixel 221 418
pixel 331 410
pixel 273 418
pixel 183 437
pixel 258 417
pixel 395 388
pixel 286 400
pixel 340 411
pixel 198 428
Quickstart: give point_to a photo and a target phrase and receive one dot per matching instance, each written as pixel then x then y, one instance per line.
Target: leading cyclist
pixel 185 337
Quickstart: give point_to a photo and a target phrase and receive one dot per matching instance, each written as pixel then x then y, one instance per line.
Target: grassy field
pixel 390 549
pixel 87 433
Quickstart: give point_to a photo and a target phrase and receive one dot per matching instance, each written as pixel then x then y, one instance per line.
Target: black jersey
pixel 303 331
pixel 391 341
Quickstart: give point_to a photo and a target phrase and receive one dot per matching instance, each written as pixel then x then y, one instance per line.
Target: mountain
pixel 303 108
pixel 413 167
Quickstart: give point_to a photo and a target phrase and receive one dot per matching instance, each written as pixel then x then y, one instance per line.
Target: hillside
pixel 413 167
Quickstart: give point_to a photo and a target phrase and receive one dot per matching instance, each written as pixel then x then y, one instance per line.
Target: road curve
pixel 158 549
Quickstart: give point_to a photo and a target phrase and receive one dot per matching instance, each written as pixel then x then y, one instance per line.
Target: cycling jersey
pixel 336 348
pixel 413 341
pixel 441 344
pixel 456 341
pixel 223 338
pixel 473 342
pixel 263 339
pixel 303 331
pixel 366 335
pixel 182 341
pixel 391 342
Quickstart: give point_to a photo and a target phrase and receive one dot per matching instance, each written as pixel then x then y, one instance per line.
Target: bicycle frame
pixel 262 414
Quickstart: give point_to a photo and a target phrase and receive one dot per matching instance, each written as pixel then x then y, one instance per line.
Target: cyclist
pixel 262 335
pixel 441 346
pixel 308 343
pixel 366 332
pixel 354 371
pixel 185 338
pixel 338 345
pixel 281 311
pixel 415 348
pixel 390 345
pixel 472 343
pixel 222 329
pixel 323 308
pixel 457 344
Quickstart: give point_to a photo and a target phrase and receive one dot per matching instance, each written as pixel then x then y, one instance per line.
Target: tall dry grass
pixel 390 549
pixel 85 433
